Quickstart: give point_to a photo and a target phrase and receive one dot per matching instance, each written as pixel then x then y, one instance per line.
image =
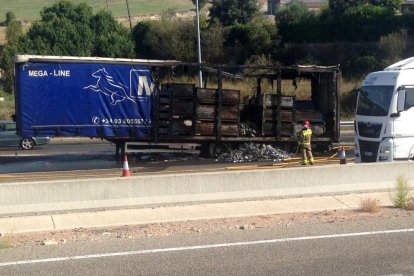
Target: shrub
pixel 348 103
pixel 392 46
pixel 410 204
pixel 370 205
pixel 400 199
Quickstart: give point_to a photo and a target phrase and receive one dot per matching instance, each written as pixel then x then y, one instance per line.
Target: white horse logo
pixel 106 85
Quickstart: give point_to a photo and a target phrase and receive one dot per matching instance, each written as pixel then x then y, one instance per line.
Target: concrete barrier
pixel 64 195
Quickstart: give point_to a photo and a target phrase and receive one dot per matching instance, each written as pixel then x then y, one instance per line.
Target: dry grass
pixel 6 106
pixel 248 87
pixel 2 35
pixel 410 204
pixel 370 205
pixel 5 243
pixel 347 86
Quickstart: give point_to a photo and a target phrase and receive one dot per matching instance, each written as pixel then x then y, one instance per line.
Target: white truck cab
pixel 384 119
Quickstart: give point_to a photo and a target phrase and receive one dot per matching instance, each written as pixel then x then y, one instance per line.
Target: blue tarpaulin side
pixel 84 99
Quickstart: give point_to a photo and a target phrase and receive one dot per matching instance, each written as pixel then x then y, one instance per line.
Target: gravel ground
pixel 208 226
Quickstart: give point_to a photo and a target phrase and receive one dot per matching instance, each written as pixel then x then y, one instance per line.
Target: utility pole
pixel 129 15
pixel 200 73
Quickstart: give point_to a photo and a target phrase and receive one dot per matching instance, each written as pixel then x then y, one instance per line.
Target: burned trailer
pixel 142 104
pixel 219 116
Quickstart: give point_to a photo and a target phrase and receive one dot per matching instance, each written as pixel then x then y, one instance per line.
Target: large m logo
pixel 141 84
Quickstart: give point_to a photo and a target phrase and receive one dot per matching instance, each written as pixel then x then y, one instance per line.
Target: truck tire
pixel 287 147
pixel 216 149
pixel 205 150
pixel 324 147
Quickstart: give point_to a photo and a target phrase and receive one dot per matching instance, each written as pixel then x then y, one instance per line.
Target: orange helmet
pixel 306 123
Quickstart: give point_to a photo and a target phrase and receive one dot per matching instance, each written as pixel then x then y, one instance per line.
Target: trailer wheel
pixel 218 148
pixel 287 147
pixel 324 147
pixel 205 150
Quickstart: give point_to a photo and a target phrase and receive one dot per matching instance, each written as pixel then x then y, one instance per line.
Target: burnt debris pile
pixel 250 152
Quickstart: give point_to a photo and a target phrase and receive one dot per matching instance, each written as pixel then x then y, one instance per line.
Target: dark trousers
pixel 307 156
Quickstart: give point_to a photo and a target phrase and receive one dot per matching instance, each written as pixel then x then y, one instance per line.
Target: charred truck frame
pixel 139 103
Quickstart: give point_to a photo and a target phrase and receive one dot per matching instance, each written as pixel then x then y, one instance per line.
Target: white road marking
pixel 208 246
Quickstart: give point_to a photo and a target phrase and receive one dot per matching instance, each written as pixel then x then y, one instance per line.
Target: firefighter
pixel 304 137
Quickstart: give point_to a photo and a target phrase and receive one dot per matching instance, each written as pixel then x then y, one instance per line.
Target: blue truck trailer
pixel 71 97
pixel 130 102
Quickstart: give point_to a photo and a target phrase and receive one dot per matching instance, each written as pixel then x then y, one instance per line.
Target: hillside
pixel 28 10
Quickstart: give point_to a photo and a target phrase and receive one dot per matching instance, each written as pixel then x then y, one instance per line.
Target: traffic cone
pixel 126 167
pixel 342 156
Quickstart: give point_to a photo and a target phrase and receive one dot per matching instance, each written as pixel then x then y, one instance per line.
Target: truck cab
pixel 384 120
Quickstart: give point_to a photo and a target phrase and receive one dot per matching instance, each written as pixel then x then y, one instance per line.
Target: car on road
pixel 9 138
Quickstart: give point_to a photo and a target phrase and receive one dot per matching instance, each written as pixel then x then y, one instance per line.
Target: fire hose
pixel 295 161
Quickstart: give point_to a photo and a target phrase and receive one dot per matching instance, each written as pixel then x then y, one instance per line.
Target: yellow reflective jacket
pixel 305 136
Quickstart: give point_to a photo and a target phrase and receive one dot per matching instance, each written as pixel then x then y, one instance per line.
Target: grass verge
pixel 6 106
pixel 5 243
pixel 30 9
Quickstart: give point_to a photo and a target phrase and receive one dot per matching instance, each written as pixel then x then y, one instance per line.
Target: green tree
pixel 262 36
pixel 365 22
pixel 360 64
pixel 203 21
pixel 292 12
pixel 72 30
pixel 393 5
pixel 140 35
pixel 63 30
pixel 230 12
pixel 340 6
pixel 10 16
pixel 176 39
pixel 111 38
pixel 296 22
pixel 165 39
pixel 212 42
pixel 254 38
pixel 392 46
pixel 6 62
pixel 13 31
pixel 13 34
pixel 69 29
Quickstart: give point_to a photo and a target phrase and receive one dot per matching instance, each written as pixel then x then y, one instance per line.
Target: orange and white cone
pixel 342 157
pixel 126 167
